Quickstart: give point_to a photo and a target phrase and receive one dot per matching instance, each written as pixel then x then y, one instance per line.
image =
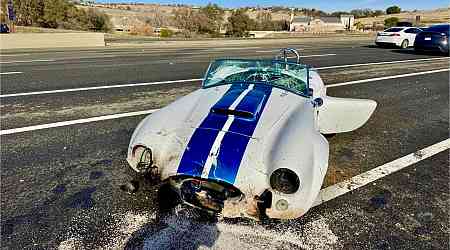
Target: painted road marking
pixel 381 63
pixel 306 56
pixel 11 73
pixel 372 175
pixel 114 116
pixel 99 87
pixel 386 78
pixel 73 122
pixel 200 79
pixel 29 61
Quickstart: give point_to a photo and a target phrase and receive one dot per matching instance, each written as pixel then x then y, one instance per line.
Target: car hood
pixel 252 106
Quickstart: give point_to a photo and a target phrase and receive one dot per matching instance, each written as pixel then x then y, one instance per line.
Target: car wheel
pixel 404 44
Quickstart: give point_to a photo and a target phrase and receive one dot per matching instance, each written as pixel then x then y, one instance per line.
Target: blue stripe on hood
pixel 234 144
pixel 200 143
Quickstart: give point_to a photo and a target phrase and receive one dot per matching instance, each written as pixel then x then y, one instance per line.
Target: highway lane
pixel 149 67
pixel 63 183
pixel 39 109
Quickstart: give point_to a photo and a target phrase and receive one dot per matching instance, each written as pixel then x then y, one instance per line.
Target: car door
pixel 339 115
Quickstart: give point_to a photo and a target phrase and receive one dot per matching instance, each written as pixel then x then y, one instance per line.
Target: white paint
pixel 381 63
pixel 73 122
pixel 11 73
pixel 218 141
pixel 386 78
pixel 98 87
pixel 319 55
pixel 363 179
pixel 29 61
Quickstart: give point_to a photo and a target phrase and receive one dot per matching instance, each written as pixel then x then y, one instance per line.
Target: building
pixel 321 24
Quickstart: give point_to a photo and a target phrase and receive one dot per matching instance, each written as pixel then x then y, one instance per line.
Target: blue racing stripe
pixel 201 141
pixel 233 145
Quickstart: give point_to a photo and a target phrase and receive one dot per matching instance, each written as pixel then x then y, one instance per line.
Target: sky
pixel 324 5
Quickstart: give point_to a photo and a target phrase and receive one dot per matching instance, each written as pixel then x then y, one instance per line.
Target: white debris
pixel 188 234
pixel 71 244
pixel 183 232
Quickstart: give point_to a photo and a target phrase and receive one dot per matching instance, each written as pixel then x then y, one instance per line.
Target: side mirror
pixel 317 102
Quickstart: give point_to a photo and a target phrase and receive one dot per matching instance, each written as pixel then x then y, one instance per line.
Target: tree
pixel 359 26
pixel 213 15
pixel 393 10
pixel 390 22
pixel 239 23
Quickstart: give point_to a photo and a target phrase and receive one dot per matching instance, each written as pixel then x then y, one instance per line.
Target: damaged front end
pixel 219 197
pixel 204 194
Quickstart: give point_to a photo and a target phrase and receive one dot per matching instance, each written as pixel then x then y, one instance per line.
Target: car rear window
pixel 439 28
pixel 393 30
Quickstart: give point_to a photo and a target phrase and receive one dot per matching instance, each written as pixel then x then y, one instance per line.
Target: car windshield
pixel 285 75
pixel 393 30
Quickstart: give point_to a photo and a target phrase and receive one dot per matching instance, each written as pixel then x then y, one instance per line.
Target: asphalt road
pixel 60 186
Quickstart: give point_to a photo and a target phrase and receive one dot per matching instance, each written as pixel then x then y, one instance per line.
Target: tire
pixel 404 44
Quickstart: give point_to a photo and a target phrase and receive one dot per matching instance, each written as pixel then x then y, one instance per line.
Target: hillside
pixel 427 17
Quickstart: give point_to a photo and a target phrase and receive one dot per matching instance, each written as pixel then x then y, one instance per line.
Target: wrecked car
pixel 250 142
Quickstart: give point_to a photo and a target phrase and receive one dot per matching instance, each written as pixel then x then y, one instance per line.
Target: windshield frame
pixel 307 68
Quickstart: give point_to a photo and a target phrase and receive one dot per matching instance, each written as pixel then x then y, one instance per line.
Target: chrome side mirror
pixel 317 102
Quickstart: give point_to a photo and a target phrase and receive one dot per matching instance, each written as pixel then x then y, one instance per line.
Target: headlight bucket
pixel 285 181
pixel 143 158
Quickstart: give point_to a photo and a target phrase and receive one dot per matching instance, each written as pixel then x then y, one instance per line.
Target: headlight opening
pixel 143 157
pixel 285 181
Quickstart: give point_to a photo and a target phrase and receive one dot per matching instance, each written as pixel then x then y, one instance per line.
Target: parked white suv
pixel 399 36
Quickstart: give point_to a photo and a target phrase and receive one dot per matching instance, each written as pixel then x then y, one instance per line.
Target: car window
pixel 412 31
pixel 393 30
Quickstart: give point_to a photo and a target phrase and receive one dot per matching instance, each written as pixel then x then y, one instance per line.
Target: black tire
pixel 405 44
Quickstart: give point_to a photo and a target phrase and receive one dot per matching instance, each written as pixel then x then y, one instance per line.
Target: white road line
pixel 386 78
pixel 319 55
pixel 381 63
pixel 372 175
pixel 29 61
pixel 98 87
pixel 73 122
pixel 179 81
pixel 11 73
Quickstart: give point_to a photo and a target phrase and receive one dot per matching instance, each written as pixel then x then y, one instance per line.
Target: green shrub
pixel 390 22
pixel 166 33
pixel 59 14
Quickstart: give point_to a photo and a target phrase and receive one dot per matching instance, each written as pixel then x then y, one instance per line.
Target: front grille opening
pixel 206 194
pixel 238 113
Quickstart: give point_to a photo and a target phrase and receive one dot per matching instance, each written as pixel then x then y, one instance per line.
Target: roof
pixel 301 19
pixel 330 19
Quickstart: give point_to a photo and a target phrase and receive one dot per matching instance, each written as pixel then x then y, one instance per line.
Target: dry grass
pixel 427 17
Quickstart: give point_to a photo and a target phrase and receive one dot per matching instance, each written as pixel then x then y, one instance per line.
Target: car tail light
pixel 395 34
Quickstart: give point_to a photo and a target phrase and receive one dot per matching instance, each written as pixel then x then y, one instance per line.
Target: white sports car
pixel 249 143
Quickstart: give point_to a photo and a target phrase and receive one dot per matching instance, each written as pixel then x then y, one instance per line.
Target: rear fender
pixel 339 115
